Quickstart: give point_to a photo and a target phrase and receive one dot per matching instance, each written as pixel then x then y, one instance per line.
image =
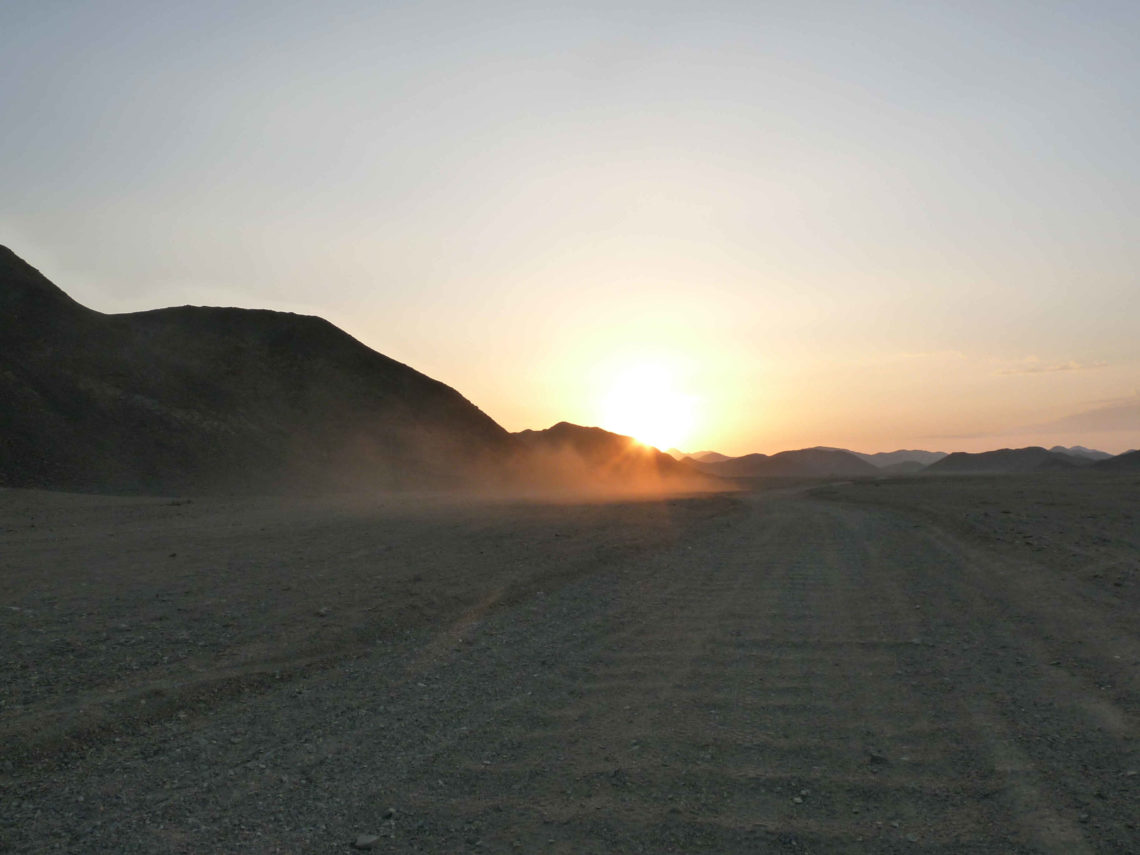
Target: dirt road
pixel 754 673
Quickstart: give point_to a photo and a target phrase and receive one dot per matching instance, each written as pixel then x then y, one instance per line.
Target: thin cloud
pixel 1123 415
pixel 1034 367
pixel 1118 414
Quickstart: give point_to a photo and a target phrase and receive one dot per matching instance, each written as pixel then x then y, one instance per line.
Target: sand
pixel 919 665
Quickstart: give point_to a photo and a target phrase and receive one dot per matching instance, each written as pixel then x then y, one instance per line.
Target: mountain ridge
pixel 804 462
pixel 203 398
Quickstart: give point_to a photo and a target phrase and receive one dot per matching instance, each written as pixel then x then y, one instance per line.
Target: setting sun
pixel 643 401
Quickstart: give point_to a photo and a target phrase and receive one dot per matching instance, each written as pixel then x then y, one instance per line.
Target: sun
pixel 643 401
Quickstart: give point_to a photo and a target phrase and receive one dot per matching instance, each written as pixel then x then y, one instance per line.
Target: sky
pixel 740 226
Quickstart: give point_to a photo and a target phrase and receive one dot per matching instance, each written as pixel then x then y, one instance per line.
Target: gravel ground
pixel 892 668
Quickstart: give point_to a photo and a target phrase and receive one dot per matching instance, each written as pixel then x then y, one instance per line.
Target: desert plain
pixel 934 665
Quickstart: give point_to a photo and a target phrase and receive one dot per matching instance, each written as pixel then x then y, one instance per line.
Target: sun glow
pixel 643 401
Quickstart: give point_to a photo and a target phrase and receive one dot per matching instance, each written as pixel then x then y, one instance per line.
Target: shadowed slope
pixel 1030 459
pixel 194 398
pixel 1129 461
pixel 804 463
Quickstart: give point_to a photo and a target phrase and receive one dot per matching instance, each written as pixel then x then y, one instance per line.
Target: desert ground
pixel 927 665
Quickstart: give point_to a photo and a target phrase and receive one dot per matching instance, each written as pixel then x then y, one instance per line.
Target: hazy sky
pixel 871 225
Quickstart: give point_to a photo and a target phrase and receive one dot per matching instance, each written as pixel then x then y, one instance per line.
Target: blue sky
pixel 860 224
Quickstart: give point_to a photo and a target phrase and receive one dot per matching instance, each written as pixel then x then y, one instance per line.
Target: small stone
pixel 390 813
pixel 1084 817
pixel 324 611
pixel 365 841
pixel 797 800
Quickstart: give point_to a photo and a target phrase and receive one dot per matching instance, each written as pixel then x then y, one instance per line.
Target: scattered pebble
pixel 365 841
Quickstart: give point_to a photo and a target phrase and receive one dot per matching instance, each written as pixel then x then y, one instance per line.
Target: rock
pixel 365 841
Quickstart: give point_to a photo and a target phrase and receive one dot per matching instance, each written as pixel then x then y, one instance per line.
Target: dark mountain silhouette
pixel 1080 451
pixel 192 398
pixel 1129 461
pixel 1030 459
pixel 805 463
pixel 884 459
pixel 709 456
pixel 563 453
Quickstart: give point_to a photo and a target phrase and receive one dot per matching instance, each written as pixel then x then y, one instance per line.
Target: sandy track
pixel 725 674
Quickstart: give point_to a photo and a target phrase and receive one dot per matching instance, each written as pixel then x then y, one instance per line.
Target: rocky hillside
pixel 203 399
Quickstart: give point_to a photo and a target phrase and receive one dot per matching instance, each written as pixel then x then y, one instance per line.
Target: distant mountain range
pixel 807 462
pixel 1008 460
pixel 196 399
pixel 823 461
pixel 894 458
pixel 1081 451
pixel 700 456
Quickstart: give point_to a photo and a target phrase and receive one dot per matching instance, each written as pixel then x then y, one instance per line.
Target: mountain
pixel 1030 459
pixel 701 456
pixel 804 463
pixel 201 399
pixel 1081 451
pixel 709 457
pixel 890 458
pixel 561 454
pixel 1129 461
